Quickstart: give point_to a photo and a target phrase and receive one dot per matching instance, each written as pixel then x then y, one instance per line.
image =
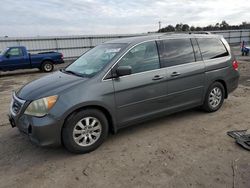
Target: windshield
pixel 4 51
pixel 93 61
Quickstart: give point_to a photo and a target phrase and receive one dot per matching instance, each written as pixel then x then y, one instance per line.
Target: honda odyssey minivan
pixel 124 82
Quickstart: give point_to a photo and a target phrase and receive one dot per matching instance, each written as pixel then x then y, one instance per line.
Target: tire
pixel 47 66
pixel 76 139
pixel 216 92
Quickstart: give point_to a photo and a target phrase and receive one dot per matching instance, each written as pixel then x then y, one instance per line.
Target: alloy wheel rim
pixel 87 131
pixel 48 67
pixel 215 97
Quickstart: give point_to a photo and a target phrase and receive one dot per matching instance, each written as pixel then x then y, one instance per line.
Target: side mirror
pixel 7 55
pixel 123 71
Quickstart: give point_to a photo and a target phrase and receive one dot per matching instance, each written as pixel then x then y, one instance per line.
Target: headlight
pixel 41 107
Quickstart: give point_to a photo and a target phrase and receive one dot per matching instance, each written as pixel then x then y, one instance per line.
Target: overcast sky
pixel 73 17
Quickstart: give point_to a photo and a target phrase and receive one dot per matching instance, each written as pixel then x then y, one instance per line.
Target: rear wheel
pixel 47 66
pixel 214 97
pixel 85 131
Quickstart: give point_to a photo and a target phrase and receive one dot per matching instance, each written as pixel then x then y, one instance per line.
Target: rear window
pixel 212 48
pixel 175 52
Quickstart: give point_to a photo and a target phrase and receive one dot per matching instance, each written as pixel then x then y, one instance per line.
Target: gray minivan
pixel 124 82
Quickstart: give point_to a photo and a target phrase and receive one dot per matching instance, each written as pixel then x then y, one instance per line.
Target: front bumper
pixel 44 131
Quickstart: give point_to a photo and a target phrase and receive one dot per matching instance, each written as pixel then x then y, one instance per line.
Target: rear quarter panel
pixel 221 69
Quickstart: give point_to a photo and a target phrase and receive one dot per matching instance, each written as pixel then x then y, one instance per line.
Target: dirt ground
pixel 187 149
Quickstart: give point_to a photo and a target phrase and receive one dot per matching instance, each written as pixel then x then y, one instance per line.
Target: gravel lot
pixel 187 149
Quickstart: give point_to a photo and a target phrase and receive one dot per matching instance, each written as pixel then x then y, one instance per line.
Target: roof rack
pixel 188 32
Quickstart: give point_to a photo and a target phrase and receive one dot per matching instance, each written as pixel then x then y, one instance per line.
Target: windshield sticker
pixel 113 50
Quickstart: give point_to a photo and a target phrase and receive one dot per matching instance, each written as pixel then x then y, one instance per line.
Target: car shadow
pixel 158 122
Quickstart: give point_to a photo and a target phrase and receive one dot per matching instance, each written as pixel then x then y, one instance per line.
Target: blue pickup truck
pixel 244 49
pixel 14 58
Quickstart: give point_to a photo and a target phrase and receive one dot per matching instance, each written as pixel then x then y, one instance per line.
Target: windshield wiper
pixel 71 72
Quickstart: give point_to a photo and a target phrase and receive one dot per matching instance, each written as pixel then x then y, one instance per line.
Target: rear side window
pixel 212 48
pixel 176 52
pixel 143 57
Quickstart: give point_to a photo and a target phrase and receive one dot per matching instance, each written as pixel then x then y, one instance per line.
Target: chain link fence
pixel 73 46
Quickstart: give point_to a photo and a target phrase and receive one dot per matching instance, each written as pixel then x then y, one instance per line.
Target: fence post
pixel 18 42
pixel 90 42
pixel 249 36
pixel 240 35
pixel 56 42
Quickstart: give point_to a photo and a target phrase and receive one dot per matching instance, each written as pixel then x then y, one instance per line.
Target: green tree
pixel 170 28
pixel 192 28
pixel 185 27
pixel 218 26
pixel 224 25
pixel 178 27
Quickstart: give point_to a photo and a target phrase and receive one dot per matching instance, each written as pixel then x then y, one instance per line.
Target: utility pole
pixel 159 25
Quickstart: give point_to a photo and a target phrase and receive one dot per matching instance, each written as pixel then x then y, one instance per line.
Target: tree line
pixel 218 26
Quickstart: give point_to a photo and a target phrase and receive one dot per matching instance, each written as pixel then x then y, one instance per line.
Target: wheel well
pixel 103 110
pixel 48 60
pixel 225 87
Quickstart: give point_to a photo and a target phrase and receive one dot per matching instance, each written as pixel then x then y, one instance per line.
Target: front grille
pixel 17 104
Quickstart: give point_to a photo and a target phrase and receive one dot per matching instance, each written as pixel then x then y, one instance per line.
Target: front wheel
pixel 214 97
pixel 47 66
pixel 85 131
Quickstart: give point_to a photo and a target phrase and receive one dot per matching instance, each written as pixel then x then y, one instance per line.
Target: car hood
pixel 49 85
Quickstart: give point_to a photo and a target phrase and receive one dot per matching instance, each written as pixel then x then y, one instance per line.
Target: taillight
pixel 62 56
pixel 235 65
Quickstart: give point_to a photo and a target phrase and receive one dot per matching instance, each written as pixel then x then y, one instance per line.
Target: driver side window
pixel 15 52
pixel 141 58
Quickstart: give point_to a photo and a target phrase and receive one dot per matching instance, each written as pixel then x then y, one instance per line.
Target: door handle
pixel 174 74
pixel 158 77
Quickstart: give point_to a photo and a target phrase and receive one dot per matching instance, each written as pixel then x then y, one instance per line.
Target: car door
pixel 143 92
pixel 14 59
pixel 185 72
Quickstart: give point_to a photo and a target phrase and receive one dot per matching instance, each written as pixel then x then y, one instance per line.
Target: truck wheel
pixel 85 131
pixel 47 66
pixel 214 97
